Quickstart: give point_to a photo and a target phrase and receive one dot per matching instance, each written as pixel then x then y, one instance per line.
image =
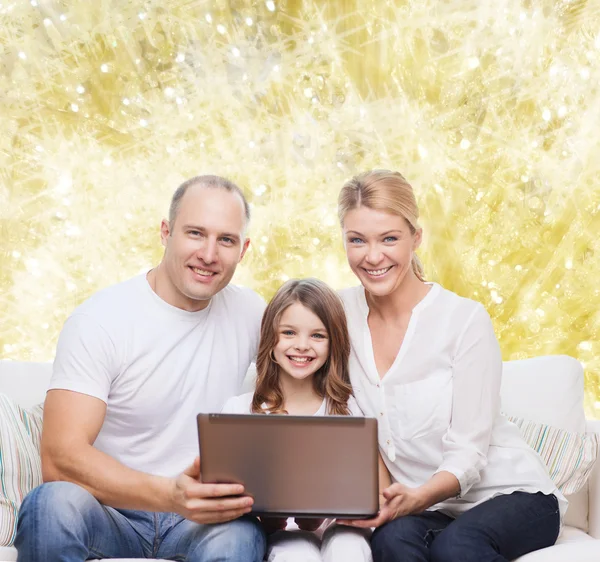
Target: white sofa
pixel 544 389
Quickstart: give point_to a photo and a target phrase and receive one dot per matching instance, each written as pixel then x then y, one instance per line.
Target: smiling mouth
pixel 203 272
pixel 298 359
pixel 377 272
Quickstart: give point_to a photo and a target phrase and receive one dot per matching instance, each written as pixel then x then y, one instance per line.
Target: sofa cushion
pixel 578 510
pixel 572 545
pixel 8 553
pixel 568 455
pixel 25 382
pixel 545 389
pixel 20 464
pixel 549 390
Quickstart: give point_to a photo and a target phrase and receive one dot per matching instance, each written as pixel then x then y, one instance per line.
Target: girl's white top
pixel 438 405
pixel 243 405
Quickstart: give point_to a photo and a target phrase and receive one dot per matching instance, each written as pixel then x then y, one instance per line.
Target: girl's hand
pixel 400 500
pixel 309 524
pixel 273 524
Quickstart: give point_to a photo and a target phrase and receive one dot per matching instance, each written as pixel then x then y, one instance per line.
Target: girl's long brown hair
pixel 332 380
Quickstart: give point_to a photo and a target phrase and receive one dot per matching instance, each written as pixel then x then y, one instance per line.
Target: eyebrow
pixel 281 326
pixel 382 234
pixel 202 229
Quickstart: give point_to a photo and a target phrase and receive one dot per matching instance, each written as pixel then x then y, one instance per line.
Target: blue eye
pixel 319 336
pixel 355 240
pixel 288 332
pixel 390 239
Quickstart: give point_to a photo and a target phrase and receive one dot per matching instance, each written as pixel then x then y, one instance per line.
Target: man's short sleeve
pixel 85 359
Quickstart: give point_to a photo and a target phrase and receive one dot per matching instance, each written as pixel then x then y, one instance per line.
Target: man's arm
pixel 72 422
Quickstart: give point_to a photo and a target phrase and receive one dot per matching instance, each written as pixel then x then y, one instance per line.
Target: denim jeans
pixel 62 522
pixel 500 529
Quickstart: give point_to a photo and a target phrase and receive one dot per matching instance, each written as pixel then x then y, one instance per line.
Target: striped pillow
pixel 20 463
pixel 569 456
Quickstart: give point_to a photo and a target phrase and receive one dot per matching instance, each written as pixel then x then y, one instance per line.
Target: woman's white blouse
pixel 438 406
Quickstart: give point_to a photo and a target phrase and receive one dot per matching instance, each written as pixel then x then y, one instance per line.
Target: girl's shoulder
pixel 238 404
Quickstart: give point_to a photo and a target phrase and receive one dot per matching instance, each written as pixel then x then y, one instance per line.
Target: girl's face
pixel 379 247
pixel 303 344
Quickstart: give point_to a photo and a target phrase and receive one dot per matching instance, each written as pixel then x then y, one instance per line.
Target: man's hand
pixel 310 524
pixel 207 503
pixel 399 500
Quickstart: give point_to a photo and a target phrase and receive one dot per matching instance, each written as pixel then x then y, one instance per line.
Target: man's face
pixel 203 247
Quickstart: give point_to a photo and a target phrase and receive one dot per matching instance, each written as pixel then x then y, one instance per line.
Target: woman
pixel 427 364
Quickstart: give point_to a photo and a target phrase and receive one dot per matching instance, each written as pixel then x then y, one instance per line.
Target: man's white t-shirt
pixel 156 367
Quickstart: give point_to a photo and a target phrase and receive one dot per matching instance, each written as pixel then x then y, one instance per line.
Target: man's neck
pixel 161 284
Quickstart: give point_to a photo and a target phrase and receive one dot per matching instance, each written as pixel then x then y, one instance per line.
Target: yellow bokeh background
pixel 490 109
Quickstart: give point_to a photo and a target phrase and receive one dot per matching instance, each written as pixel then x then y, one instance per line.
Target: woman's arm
pixel 476 377
pixel 385 481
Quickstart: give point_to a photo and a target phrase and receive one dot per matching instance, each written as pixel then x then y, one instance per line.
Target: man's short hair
pixel 205 181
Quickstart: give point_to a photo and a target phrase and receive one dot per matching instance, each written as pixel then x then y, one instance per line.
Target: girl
pixel 302 369
pixel 426 362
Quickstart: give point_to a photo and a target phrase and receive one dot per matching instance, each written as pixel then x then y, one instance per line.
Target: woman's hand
pixel 309 524
pixel 399 500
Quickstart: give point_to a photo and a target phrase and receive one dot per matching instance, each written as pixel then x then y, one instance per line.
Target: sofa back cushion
pixel 545 389
pixel 26 383
pixel 549 390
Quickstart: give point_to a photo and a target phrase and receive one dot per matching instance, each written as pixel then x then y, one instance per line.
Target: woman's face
pixel 379 247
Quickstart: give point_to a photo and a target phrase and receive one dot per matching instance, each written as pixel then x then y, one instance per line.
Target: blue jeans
pixel 497 530
pixel 62 522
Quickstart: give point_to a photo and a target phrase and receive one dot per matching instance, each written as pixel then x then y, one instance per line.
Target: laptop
pixel 304 466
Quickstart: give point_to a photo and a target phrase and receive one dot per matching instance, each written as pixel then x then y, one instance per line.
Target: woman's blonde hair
pixel 332 380
pixel 382 190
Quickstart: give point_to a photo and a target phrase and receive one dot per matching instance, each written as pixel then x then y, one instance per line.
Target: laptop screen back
pixel 311 466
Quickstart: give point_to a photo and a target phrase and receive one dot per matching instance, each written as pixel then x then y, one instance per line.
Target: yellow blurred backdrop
pixel 490 109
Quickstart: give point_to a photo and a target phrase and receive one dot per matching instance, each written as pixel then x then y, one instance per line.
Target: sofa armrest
pixel 594 488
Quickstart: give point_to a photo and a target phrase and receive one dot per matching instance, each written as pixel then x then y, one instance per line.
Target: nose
pixel 374 254
pixel 301 343
pixel 208 251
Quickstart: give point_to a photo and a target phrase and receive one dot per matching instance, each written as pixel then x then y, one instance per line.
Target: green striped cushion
pixel 569 456
pixel 20 464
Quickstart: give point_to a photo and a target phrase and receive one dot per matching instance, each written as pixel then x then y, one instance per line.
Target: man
pixel 134 365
